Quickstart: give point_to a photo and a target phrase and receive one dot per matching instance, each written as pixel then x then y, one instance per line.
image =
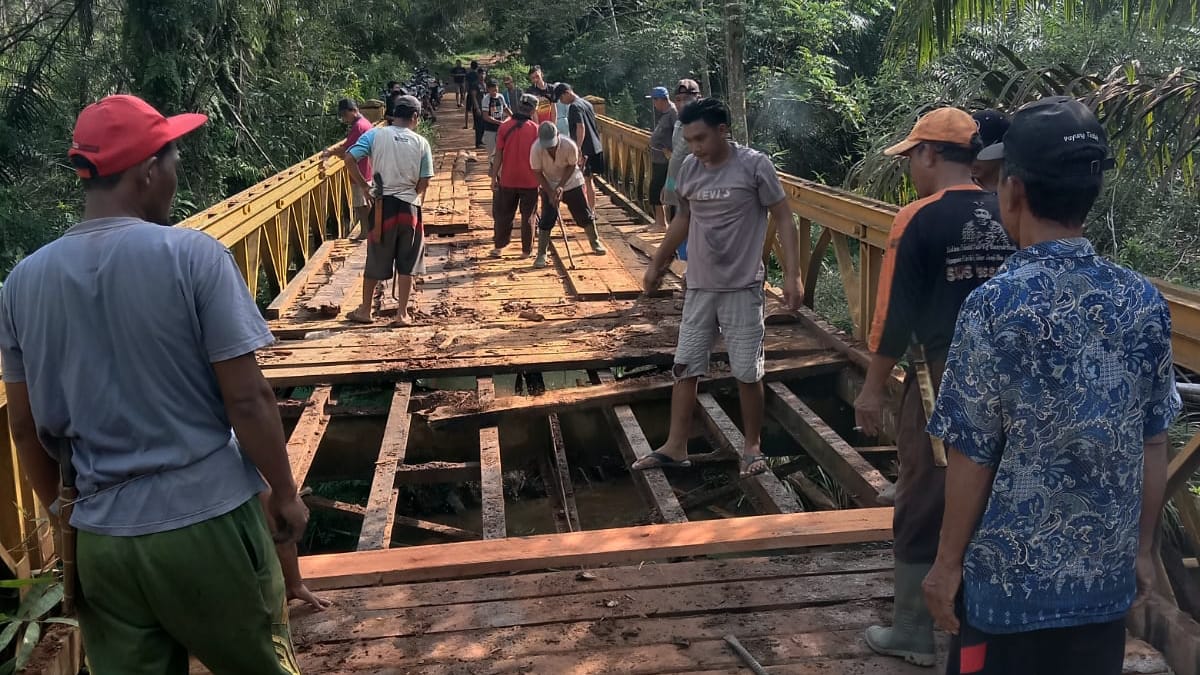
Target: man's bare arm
pixel 785 225
pixel 1154 493
pixel 422 186
pixel 41 470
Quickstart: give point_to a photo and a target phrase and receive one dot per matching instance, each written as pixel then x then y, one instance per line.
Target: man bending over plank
pixel 725 193
pixel 134 380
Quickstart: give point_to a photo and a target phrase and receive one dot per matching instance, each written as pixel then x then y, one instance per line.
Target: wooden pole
pixel 735 82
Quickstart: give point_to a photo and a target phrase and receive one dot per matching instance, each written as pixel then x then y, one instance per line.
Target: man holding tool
pixel 134 381
pixel 555 161
pixel 941 247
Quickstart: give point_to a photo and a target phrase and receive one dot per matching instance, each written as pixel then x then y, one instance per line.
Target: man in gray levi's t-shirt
pixel 132 345
pixel 725 194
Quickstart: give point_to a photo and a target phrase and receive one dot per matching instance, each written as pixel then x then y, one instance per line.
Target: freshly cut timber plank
pixel 307 434
pixel 629 391
pixel 1183 465
pixel 770 495
pixel 491 472
pixel 862 481
pixel 631 440
pixel 596 547
pixel 287 297
pixel 381 505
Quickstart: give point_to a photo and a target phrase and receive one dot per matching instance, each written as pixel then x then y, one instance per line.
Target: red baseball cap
pixel 120 131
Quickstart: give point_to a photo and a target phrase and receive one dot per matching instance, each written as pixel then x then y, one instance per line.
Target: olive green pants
pixel 213 590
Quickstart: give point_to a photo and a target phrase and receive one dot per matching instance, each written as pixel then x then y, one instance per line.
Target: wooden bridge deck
pixel 644 599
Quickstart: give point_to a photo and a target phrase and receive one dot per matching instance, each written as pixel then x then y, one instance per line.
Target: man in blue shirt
pixel 1054 405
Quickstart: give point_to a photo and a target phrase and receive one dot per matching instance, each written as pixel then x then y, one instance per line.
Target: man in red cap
pixel 128 355
pixel 941 247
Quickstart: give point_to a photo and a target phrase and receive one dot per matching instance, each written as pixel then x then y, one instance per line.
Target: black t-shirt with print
pixel 940 249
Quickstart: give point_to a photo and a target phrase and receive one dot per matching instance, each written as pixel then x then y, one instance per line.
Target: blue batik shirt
pixel 1060 368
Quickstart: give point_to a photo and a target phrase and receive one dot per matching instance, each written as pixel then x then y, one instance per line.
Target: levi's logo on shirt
pixel 712 194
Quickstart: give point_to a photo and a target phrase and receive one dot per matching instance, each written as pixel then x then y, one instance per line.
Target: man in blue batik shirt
pixel 1056 398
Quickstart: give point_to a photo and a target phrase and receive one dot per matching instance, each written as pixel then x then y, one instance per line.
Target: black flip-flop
pixel 748 461
pixel 662 461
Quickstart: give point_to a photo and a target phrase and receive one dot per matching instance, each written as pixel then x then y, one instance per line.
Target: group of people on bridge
pixel 128 353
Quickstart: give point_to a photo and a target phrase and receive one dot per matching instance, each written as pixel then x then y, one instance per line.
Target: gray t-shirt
pixel 114 328
pixel 679 152
pixel 728 218
pixel 661 136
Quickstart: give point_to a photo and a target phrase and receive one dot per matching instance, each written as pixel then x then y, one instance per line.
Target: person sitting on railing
pixel 357 125
pixel 660 144
pixel 403 162
pixel 1058 394
pixel 726 191
pixel 555 161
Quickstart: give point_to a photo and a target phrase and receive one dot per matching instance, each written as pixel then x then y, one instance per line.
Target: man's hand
pixel 288 518
pixel 557 196
pixel 793 292
pixel 495 183
pixel 301 592
pixel 652 279
pixel 868 411
pixel 324 156
pixel 1146 576
pixel 941 587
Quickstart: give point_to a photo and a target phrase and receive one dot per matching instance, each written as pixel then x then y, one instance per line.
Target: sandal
pixel 748 464
pixel 357 317
pixel 657 460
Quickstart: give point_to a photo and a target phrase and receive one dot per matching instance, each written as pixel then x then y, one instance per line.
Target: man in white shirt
pixel 555 161
pixel 403 163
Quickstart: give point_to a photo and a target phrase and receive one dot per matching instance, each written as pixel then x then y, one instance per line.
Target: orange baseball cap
pixel 944 125
pixel 120 131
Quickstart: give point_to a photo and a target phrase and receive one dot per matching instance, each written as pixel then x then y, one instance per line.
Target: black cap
pixel 405 106
pixel 1054 136
pixel 992 125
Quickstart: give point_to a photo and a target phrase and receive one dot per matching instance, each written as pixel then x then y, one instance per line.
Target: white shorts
pixel 735 315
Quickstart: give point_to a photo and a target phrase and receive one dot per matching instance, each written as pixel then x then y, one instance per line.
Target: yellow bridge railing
pixel 846 222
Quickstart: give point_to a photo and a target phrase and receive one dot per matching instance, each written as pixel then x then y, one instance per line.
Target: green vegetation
pixel 20 632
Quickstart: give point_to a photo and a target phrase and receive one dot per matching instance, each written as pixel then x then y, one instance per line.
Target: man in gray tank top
pixel 725 193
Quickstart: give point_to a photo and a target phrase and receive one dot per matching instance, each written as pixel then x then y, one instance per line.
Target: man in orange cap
pixel 941 247
pixel 133 382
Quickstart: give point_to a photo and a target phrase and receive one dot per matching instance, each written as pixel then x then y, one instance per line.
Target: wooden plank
pixel 562 477
pixel 815 494
pixel 873 450
pixel 678 575
pixel 620 393
pixel 381 505
pixel 287 297
pixel 307 434
pixel 857 477
pixel 765 490
pixel 517 641
pixel 491 471
pixel 631 440
pixel 1183 465
pixel 427 473
pixel 344 508
pixel 328 299
pixel 596 547
pixel 729 596
pixel 448 531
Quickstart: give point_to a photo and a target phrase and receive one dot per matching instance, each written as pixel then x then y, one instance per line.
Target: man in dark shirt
pixel 537 84
pixel 581 120
pixel 941 247
pixel 992 126
pixel 473 96
pixel 460 82
pixel 660 149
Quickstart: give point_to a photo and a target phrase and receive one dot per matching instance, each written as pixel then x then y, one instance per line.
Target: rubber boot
pixel 594 239
pixel 543 246
pixel 911 634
